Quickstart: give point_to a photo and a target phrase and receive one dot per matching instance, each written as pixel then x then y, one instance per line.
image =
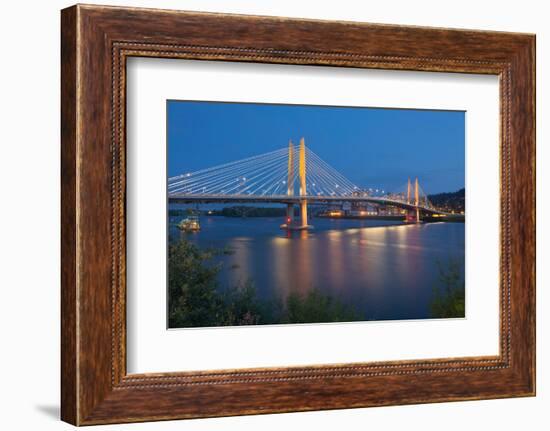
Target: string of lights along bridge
pixel 293 175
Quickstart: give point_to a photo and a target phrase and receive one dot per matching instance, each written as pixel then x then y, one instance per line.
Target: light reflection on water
pixel 387 271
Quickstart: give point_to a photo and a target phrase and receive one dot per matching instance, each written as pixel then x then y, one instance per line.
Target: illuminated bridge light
pixel 274 175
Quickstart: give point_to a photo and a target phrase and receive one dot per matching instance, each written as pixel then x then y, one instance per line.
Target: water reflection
pixel 387 272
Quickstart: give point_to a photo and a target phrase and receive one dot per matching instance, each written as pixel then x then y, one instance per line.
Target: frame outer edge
pixel 531 83
pixel 523 216
pixel 533 54
pixel 69 202
pixel 88 397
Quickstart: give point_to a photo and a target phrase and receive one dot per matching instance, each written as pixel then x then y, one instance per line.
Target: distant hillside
pixel 450 202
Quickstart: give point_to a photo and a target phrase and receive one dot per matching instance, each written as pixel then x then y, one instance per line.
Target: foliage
pixel 246 211
pixel 241 306
pixel 182 212
pixel 314 307
pixel 193 300
pixel 448 297
pixel 195 297
pixel 449 201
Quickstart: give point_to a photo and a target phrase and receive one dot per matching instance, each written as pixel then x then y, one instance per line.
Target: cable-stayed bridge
pixel 293 175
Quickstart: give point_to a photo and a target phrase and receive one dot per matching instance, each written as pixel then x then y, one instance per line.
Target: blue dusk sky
pixel 372 147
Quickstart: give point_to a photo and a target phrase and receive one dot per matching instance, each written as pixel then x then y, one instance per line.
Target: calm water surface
pixel 386 269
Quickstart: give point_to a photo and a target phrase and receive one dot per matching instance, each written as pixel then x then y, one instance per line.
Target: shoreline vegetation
pixel 196 299
pixel 448 298
pixel 233 211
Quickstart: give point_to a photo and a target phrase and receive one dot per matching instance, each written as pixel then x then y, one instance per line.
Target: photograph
pixel 303 214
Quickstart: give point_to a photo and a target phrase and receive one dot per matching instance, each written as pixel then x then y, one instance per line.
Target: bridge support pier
pixel 289 221
pixel 290 213
pixel 303 214
pixel 412 215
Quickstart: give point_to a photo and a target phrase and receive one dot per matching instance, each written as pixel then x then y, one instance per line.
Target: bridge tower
pixel 290 183
pixel 416 200
pixel 413 214
pixel 303 191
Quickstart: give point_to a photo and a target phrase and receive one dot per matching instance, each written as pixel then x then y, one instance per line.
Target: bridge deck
pixel 285 199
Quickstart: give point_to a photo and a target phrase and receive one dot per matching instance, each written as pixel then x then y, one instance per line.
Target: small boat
pixel 190 224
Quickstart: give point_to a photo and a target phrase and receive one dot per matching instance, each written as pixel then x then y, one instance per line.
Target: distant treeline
pixel 234 211
pixel 182 213
pixel 449 201
pixel 244 211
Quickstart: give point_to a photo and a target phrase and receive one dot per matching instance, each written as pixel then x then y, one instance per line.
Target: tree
pixel 448 298
pixel 193 300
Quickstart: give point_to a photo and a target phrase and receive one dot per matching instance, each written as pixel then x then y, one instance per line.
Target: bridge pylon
pixel 416 200
pixel 290 177
pixel 303 191
pixel 413 215
pixel 302 187
pixel 290 183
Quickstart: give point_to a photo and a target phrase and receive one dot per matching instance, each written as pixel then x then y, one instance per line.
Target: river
pixel 385 269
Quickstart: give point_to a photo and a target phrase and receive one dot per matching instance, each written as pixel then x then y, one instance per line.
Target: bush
pixel 192 285
pixel 448 298
pixel 314 307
